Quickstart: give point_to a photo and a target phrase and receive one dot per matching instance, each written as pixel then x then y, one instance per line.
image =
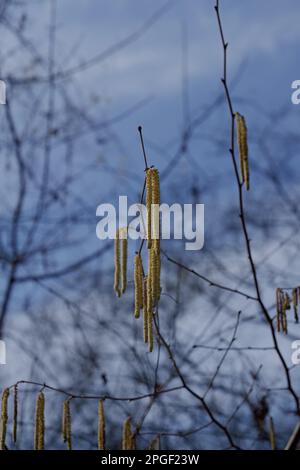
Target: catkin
pixel 154 274
pixel 145 309
pixel 4 418
pixel 283 304
pixel 138 284
pixel 117 265
pixel 279 308
pixel 124 260
pixel 66 424
pixel 272 435
pixel 127 435
pixel 148 205
pixel 243 149
pixel 295 303
pixel 286 306
pixel 155 197
pixel 15 415
pixel 150 316
pixel 101 426
pixel 39 434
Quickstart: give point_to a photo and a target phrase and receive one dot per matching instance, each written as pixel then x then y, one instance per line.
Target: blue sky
pixel 263 37
pixel 172 72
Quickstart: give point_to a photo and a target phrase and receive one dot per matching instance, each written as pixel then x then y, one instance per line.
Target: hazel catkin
pixel 101 426
pixel 4 418
pixel 15 414
pixel 117 265
pixel 124 260
pixel 66 424
pixel 127 437
pixel 39 434
pixel 155 203
pixel 149 205
pixel 138 285
pixel 243 149
pixel 145 309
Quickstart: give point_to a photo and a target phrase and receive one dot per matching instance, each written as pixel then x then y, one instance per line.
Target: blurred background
pixel 81 77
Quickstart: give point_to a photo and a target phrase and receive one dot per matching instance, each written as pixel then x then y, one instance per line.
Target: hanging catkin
pixel 15 415
pixel 66 424
pixel 149 205
pixel 272 435
pixel 145 309
pixel 243 149
pixel 295 303
pixel 4 418
pixel 124 260
pixel 138 285
pixel 279 308
pixel 39 433
pixel 286 306
pixel 282 305
pixel 149 316
pixel 155 210
pixel 154 274
pixel 117 265
pixel 127 435
pixel 101 426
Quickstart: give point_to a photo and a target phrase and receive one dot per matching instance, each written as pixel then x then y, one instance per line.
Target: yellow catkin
pixel 39 434
pixel 298 296
pixel 4 418
pixel 15 415
pixel 155 210
pixel 284 323
pixel 101 426
pixel 295 303
pixel 127 435
pixel 145 309
pixel 154 275
pixel 148 205
pixel 286 306
pixel 66 424
pixel 117 265
pixel 272 435
pixel 287 302
pixel 124 260
pixel 243 149
pixel 156 278
pixel 279 307
pixel 150 316
pixel 153 272
pixel 138 285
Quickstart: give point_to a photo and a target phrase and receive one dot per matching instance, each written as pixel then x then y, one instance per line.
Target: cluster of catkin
pixel 243 149
pixel 146 286
pixel 128 435
pixel 284 302
pixel 39 427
